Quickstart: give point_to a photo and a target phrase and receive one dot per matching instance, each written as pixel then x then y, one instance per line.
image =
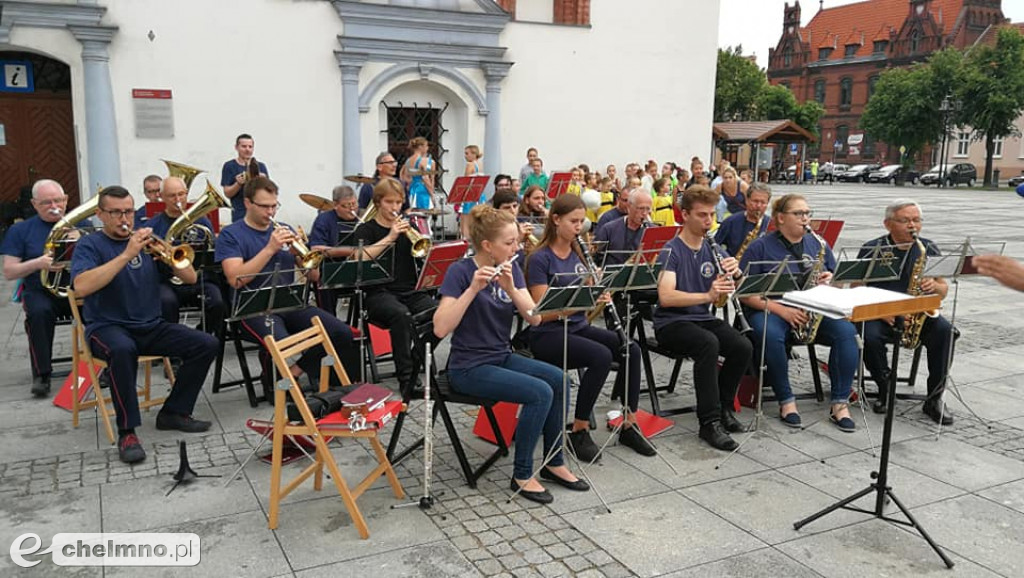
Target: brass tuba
pixel 60 230
pixel 210 201
pixel 182 171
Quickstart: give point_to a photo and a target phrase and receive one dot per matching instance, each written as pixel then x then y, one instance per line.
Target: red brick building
pixel 837 58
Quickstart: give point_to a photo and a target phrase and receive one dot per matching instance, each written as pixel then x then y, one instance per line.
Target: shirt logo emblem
pixel 136 262
pixel 707 270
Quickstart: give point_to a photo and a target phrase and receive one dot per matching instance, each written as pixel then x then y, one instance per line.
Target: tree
pixel 777 102
pixel 738 84
pixel 991 91
pixel 902 109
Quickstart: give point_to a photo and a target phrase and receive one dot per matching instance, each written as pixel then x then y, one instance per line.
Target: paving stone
pixel 489 567
pixel 536 556
pixel 512 561
pixel 553 569
pixel 577 563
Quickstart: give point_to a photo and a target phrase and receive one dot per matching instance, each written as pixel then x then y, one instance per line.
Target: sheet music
pixel 837 303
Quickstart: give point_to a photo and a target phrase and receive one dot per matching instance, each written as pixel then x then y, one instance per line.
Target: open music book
pixel 839 303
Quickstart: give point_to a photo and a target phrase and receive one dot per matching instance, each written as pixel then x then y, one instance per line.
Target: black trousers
pixel 394 312
pixel 281 325
pixel 42 309
pixel 205 293
pixel 704 342
pixel 936 338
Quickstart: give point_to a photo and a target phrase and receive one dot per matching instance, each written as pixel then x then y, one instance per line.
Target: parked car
pixel 857 173
pixel 889 174
pixel 836 169
pixel 960 173
pixel 1016 181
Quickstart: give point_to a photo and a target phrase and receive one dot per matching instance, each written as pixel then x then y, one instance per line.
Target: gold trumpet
pixel 308 258
pixel 175 256
pixel 420 244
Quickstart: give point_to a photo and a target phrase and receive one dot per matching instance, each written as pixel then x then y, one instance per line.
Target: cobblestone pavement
pixel 682 514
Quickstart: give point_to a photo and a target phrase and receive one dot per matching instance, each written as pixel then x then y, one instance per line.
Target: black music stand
pixel 358 273
pixel 778 280
pixel 564 301
pixel 901 306
pixel 636 274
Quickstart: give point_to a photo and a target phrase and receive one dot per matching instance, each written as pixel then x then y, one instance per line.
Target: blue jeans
pixel 840 335
pixel 533 384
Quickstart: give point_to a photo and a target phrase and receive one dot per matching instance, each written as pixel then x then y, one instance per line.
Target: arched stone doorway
pixel 39 129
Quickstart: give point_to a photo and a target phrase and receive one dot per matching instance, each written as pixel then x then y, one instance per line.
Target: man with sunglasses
pixel 120 287
pixel 331 233
pixel 25 258
pixel 387 167
pixel 903 221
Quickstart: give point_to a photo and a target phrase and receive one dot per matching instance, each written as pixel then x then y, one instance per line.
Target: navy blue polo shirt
pixel 546 268
pixel 161 223
pixel 774 247
pixel 617 236
pixel 25 240
pixel 608 217
pixel 328 228
pixel 734 230
pixel 482 336
pixel 239 240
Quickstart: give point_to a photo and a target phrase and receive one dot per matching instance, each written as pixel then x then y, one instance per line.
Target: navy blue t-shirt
pixel 608 217
pixel 140 217
pixel 546 268
pixel 239 240
pixel 366 194
pixel 132 298
pixel 618 237
pixel 25 241
pixel 328 228
pixel 899 256
pixel 774 248
pixel 483 335
pixel 161 222
pixel 228 172
pixel 737 204
pixel 734 230
pixel 695 272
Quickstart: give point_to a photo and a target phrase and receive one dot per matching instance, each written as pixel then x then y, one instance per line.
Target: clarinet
pixel 610 308
pixel 716 250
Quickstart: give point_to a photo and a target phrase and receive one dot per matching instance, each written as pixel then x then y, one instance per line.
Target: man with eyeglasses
pixel 614 238
pixel 737 227
pixel 25 258
pixel 250 250
pixel 387 167
pixel 903 220
pixel 120 287
pixel 330 233
pixel 151 189
pixel 173 295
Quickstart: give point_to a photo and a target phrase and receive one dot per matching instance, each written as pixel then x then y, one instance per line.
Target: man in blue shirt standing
pixel 233 175
pixel 25 258
pixel 121 289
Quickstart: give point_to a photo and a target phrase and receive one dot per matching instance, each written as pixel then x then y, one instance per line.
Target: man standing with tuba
pixel 903 221
pixel 120 287
pixel 174 295
pixel 392 306
pixel 235 173
pixel 24 258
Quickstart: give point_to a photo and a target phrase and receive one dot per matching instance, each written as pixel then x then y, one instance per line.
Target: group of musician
pixel 131 301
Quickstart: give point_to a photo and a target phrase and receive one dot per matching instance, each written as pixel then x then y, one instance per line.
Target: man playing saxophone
pixel 903 221
pixel 739 230
pixel 24 257
pixel 175 295
pixel 807 255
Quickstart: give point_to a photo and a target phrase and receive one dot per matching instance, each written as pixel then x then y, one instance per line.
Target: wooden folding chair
pixel 80 352
pixel 281 351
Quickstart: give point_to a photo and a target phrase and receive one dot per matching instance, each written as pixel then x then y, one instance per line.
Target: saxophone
pixel 806 333
pixel 912 324
pixel 753 234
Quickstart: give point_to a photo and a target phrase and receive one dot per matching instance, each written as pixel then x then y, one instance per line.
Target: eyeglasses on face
pixel 266 207
pixel 800 214
pixel 57 201
pixel 119 214
pixel 905 221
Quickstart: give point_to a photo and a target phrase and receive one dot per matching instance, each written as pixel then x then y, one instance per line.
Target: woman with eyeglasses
pixel 792 240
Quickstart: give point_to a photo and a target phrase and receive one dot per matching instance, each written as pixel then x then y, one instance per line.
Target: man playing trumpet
pixel 24 257
pixel 392 306
pixel 122 318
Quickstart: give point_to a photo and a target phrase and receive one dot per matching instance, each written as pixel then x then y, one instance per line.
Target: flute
pixel 501 268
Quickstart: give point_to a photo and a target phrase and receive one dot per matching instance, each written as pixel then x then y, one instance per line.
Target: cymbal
pixel 359 178
pixel 316 201
pixel 426 212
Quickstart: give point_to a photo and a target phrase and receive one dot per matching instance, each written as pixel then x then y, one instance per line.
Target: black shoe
pixel 730 423
pixel 577 486
pixel 104 378
pixel 631 437
pixel 168 421
pixel 541 497
pixel 934 411
pixel 41 385
pixel 878 406
pixel 583 447
pixel 716 436
pixel 129 449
